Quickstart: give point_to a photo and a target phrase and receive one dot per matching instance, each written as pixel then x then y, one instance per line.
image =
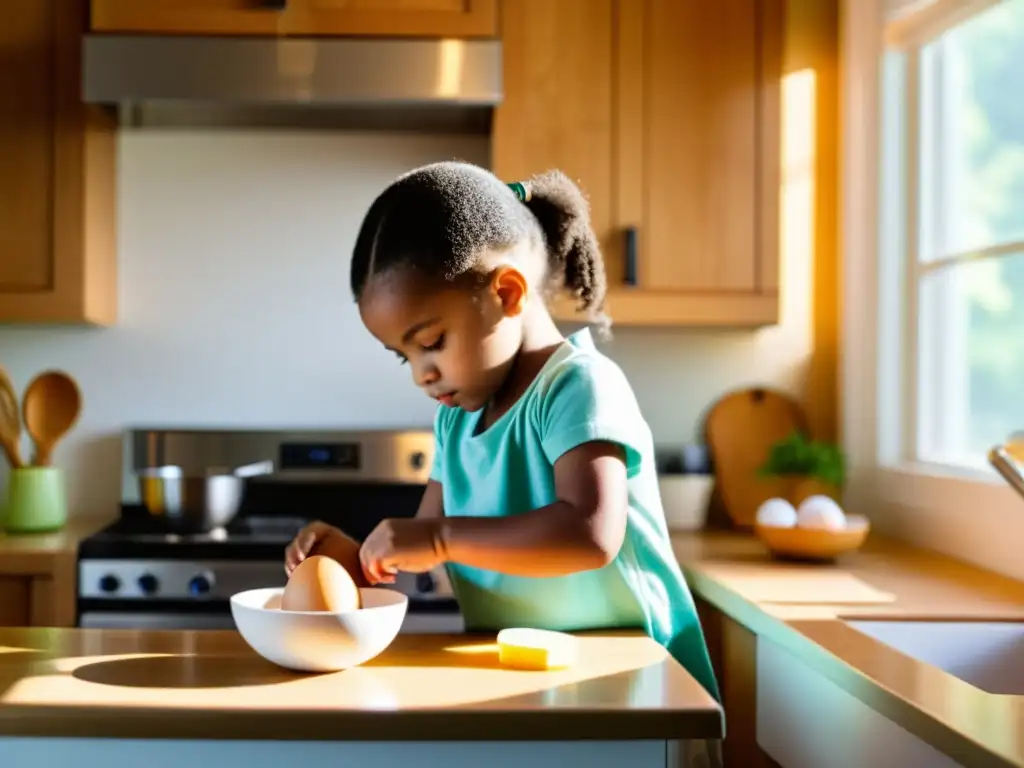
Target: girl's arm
pixel 581 531
pixel 432 502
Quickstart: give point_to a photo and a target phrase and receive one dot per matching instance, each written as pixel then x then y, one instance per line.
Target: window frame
pixel 967 512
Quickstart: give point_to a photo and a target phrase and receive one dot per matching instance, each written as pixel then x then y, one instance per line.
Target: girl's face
pixel 459 342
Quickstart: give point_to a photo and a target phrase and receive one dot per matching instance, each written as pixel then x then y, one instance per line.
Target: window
pixel 952 219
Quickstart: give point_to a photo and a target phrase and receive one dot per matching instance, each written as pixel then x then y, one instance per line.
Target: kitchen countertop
pixel 724 568
pixel 25 548
pixel 210 685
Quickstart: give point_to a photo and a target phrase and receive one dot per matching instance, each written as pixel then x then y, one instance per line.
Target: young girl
pixel 543 498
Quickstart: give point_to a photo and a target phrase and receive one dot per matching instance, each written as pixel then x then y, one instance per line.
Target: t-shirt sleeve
pixel 439 434
pixel 588 401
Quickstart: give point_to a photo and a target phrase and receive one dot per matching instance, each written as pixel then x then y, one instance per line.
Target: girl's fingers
pixel 369 574
pixel 376 571
pixel 306 541
pixel 291 558
pixel 302 545
pixel 378 566
pixel 366 561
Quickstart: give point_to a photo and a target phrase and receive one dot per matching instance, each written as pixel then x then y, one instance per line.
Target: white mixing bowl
pixel 319 641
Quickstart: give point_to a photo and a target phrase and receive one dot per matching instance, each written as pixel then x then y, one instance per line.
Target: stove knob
pixel 148 583
pixel 424 583
pixel 110 583
pixel 200 584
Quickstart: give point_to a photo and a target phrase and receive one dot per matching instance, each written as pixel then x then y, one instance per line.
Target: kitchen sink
pixel 986 654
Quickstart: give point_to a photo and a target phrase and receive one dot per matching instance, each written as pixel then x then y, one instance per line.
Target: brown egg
pixel 320 584
pixel 344 550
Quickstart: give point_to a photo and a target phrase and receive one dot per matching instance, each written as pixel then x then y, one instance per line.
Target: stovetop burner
pixel 138 535
pixel 250 528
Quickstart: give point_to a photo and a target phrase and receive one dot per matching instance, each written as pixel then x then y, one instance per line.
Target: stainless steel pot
pixel 195 503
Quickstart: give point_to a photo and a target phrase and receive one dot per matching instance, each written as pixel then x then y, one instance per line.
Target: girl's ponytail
pixel 574 255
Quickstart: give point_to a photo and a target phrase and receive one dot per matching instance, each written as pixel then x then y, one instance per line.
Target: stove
pixel 136 573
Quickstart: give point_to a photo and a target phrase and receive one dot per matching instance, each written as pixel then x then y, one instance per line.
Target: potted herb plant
pixel 815 467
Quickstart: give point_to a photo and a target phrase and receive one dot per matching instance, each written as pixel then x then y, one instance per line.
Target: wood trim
pixel 921 22
pixel 813 42
pixel 478 20
pixel 64 597
pixel 99 217
pixel 861 154
pixel 651 308
pixel 771 27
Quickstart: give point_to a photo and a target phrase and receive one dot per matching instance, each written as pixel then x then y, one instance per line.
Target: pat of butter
pixel 537 649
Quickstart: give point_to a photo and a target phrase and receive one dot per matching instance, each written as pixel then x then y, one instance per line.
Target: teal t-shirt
pixel 579 395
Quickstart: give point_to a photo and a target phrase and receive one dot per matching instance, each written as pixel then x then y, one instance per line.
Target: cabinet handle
pixel 630 254
pixel 273 5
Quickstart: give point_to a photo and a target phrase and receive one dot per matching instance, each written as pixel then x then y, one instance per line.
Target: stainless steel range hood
pixel 300 82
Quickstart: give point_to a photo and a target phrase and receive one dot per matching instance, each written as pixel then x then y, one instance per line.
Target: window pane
pixel 973 117
pixel 971 359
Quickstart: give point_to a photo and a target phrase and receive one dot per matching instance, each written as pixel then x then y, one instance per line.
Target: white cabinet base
pixel 804 720
pixel 104 753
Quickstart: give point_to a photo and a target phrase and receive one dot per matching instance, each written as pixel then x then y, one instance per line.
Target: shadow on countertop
pixel 185 672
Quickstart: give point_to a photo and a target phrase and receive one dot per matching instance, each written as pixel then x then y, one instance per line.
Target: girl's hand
pixel 413 545
pixel 322 539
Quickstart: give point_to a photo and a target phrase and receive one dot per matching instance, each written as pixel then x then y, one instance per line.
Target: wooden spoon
pixel 10 422
pixel 51 406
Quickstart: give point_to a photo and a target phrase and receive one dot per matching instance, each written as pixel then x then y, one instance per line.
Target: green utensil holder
pixel 36 500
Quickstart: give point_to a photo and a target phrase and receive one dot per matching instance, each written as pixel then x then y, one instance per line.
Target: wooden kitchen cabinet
pixel 28 601
pixel 558 107
pixel 733 651
pixel 38 598
pixel 57 161
pixel 402 18
pixel 39 574
pixel 667 113
pixel 15 601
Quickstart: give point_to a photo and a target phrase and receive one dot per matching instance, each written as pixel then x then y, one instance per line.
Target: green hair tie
pixel 522 191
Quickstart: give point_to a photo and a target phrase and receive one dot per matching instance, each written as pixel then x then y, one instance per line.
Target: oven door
pixel 145 620
pixel 419 623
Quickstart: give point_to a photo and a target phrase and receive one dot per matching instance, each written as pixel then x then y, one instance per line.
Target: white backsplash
pixel 236 311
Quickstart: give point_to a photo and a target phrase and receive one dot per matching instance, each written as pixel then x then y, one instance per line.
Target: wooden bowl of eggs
pixel 321 621
pixel 817 530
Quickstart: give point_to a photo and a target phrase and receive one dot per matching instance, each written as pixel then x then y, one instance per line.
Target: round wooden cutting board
pixel 740 430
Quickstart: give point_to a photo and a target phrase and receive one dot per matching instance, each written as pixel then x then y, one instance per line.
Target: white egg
pixel 777 513
pixel 820 512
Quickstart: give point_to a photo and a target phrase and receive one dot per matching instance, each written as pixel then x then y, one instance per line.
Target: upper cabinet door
pixel 699 136
pixel 26 151
pixel 402 18
pixel 58 255
pixel 558 108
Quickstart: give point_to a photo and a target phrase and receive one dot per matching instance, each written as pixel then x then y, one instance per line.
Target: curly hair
pixel 441 218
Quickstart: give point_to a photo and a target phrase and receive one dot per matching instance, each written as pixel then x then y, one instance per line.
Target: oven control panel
pixel 174 579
